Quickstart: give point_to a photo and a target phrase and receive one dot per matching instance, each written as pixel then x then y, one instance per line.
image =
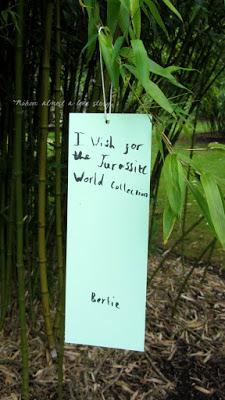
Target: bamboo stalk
pixel 3 224
pixel 10 227
pixel 58 147
pixel 9 252
pixel 42 178
pixel 10 240
pixel 58 208
pixel 19 201
pixel 2 247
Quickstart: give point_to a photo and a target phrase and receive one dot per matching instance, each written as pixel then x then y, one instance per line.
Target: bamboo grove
pixel 47 71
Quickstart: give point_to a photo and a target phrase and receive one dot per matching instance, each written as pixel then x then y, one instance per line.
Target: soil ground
pixel 184 354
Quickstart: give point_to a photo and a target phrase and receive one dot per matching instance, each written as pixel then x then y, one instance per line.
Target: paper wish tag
pixel 107 230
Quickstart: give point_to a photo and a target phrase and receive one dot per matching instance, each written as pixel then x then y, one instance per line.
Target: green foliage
pixel 156 15
pixel 197 192
pixel 213 106
pixel 174 182
pixel 125 16
pixel 169 219
pixel 110 54
pixel 141 71
pixel 135 13
pixel 205 191
pixel 172 8
pixel 159 143
pixel 216 205
pixel 142 43
pixel 113 11
pixel 92 8
pixel 133 60
pixel 7 17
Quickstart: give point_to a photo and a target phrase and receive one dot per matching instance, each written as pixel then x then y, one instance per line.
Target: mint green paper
pixel 107 230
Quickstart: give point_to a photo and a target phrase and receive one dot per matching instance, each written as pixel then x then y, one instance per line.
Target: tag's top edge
pixel 137 115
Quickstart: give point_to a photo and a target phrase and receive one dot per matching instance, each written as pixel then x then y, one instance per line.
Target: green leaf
pixel 124 17
pixel 4 15
pixel 182 183
pixel 157 94
pixel 172 8
pixel 174 68
pixel 195 12
pixel 153 67
pixel 92 8
pixel 113 9
pixel 125 4
pixel 216 206
pixel 169 219
pixel 109 55
pixel 141 62
pixel 131 69
pixel 136 17
pixel 127 53
pixel 174 181
pixel 165 73
pixel 91 43
pixel 117 46
pixel 200 199
pixel 155 13
pixel 15 18
pixel 159 142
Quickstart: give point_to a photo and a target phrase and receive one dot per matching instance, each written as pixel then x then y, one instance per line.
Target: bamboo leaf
pixel 106 48
pixel 172 8
pixel 109 55
pixel 200 199
pixel 182 183
pixel 153 67
pixel 169 219
pixel 159 143
pixel 174 68
pixel 131 69
pixel 165 72
pixel 171 183
pixel 117 46
pixel 157 94
pixel 125 4
pixel 15 19
pixel 195 12
pixel 141 61
pixel 92 8
pixel 124 17
pixel 127 53
pixel 216 206
pixel 174 183
pixel 136 17
pixel 113 9
pixel 90 44
pixel 155 13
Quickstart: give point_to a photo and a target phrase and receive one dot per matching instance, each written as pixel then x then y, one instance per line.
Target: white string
pixel 103 86
pixel 110 99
